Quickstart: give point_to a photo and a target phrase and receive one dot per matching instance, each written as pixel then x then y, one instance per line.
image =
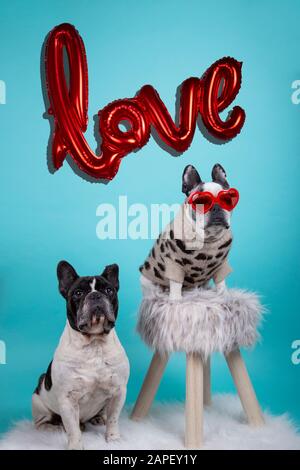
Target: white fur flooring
pixel 225 427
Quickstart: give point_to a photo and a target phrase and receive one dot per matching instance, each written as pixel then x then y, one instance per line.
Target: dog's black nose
pixel 82 326
pixel 95 295
pixel 216 209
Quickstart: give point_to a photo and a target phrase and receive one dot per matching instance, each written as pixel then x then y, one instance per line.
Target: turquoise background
pixel 48 217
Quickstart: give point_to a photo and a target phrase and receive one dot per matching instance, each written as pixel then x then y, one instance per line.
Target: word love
pixel 207 96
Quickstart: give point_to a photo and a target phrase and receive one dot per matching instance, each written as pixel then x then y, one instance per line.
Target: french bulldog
pixel 87 379
pixel 194 247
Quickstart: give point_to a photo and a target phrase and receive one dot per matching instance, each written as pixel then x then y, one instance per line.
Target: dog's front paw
pixel 112 436
pixel 75 445
pixel 220 287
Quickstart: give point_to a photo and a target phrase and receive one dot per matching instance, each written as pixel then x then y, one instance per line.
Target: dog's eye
pixel 108 290
pixel 78 293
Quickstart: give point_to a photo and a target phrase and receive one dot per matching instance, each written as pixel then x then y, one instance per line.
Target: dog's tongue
pixel 94 320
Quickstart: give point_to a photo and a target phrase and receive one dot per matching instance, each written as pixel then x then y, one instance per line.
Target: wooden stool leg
pixel 149 387
pixel 194 402
pixel 245 389
pixel 207 383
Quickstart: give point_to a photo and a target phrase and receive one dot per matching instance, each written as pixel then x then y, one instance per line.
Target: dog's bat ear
pixel 190 179
pixel 111 274
pixel 66 275
pixel 218 175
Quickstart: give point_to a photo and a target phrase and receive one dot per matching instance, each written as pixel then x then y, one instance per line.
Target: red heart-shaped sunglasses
pixel 227 199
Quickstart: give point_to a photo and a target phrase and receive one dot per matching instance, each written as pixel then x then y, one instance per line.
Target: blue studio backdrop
pixel 47 217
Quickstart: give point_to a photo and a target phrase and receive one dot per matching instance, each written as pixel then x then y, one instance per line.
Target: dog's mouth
pixel 96 325
pixel 217 219
pixel 218 222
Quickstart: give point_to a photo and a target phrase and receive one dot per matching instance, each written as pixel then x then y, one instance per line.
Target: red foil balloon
pixel 225 76
pixel 208 96
pixel 69 107
pixel 178 137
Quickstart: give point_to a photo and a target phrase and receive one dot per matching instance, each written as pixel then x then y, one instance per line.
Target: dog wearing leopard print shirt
pixel 194 247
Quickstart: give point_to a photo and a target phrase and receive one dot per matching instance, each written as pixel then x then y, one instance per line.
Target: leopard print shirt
pixel 172 259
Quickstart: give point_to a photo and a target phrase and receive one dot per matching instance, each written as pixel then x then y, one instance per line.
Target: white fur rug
pixel 224 428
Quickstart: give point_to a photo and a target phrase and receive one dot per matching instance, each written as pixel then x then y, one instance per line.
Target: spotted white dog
pixel 194 247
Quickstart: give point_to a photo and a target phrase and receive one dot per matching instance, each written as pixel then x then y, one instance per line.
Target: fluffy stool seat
pixel 203 321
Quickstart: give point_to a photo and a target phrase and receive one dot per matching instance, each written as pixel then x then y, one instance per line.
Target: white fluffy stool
pixel 203 322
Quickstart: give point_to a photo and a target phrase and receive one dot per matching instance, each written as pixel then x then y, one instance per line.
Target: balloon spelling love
pixel 208 95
